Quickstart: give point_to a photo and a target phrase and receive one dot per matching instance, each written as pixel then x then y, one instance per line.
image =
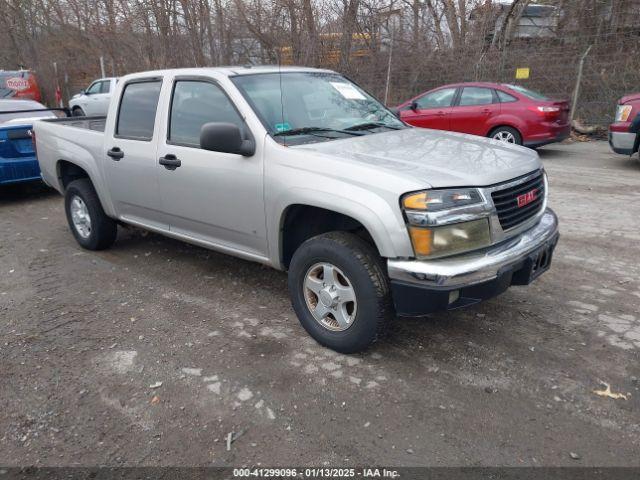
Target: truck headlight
pixel 450 239
pixel 435 200
pixel 441 240
pixel 623 112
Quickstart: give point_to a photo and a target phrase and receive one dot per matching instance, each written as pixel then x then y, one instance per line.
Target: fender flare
pixel 376 215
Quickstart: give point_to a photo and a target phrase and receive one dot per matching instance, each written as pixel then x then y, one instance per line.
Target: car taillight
pixel 547 111
pixel 33 141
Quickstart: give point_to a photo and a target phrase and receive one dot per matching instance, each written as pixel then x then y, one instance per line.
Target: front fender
pixel 382 219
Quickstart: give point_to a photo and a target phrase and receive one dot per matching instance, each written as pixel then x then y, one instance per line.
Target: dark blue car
pixel 18 162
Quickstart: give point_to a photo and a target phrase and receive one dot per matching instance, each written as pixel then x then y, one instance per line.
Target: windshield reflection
pixel 304 107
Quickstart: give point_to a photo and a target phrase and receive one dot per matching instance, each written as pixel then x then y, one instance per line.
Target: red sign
pixel 527 198
pixel 17 83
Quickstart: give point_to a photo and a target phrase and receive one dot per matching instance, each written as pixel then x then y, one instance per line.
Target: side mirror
pixel 226 138
pixel 82 92
pixel 414 106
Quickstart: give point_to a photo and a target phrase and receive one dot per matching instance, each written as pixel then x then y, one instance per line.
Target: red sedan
pixel 505 112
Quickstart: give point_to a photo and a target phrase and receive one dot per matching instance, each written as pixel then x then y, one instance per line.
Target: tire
pixel 509 133
pixel 77 112
pixel 102 230
pixel 358 265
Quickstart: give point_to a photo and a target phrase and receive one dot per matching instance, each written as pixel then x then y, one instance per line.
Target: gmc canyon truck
pixel 302 170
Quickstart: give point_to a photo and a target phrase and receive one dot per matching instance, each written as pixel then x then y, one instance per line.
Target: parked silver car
pixel 94 100
pixel 302 170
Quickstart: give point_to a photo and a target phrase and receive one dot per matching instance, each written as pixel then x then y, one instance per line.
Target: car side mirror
pixel 226 138
pixel 82 92
pixel 414 106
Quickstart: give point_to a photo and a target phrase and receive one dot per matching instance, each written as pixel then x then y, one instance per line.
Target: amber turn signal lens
pixel 422 240
pixel 417 201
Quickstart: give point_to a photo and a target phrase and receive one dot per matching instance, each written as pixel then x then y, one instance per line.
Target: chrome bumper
pixel 475 267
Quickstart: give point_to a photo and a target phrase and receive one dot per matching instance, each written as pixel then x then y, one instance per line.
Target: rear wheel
pixel 507 135
pixel 77 112
pixel 340 292
pixel 91 227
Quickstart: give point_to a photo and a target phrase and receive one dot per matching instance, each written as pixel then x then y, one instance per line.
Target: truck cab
pixel 93 100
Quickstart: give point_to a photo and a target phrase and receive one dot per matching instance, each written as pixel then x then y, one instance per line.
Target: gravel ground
pixel 85 337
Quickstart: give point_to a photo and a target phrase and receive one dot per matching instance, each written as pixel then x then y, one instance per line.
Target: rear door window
pixel 528 93
pixel 137 113
pixel 476 96
pixel 505 97
pixel 195 103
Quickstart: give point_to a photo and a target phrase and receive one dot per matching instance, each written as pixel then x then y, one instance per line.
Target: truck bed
pixel 88 123
pixel 79 140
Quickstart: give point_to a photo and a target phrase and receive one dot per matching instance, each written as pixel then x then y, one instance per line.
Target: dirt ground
pixel 85 337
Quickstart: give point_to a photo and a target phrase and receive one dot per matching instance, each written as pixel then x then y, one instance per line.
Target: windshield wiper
pixel 370 125
pixel 312 130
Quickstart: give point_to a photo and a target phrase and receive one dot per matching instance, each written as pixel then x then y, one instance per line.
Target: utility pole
pixel 102 66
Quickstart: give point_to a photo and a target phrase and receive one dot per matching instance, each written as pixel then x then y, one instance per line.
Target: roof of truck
pixel 233 70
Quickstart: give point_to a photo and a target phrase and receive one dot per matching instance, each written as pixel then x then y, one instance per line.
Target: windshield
pixel 528 93
pixel 303 107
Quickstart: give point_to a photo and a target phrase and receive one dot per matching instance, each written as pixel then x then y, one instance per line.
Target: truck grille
pixel 512 211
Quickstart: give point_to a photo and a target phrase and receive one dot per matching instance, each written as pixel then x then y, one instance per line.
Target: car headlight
pixel 449 239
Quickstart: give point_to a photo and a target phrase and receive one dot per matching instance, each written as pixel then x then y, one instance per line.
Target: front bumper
pixel 421 286
pixel 622 142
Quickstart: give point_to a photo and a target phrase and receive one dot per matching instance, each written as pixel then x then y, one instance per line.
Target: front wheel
pixel 507 135
pixel 340 292
pixel 91 227
pixel 77 112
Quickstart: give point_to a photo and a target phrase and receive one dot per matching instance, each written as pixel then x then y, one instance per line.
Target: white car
pixel 94 101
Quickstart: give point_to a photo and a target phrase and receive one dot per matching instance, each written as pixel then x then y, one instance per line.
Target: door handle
pixel 170 162
pixel 115 153
pixel 441 113
pixel 486 110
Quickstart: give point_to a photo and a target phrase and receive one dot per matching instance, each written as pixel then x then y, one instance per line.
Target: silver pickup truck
pixel 302 170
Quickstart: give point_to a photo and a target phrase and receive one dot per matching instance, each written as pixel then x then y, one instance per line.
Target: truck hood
pixel 430 158
pixel 629 98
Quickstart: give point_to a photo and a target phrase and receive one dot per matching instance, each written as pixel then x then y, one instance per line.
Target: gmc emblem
pixel 527 198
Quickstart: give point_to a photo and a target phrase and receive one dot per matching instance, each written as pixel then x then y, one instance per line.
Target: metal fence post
pixel 576 90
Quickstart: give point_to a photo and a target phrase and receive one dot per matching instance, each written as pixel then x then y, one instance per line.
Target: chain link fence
pixel 611 69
